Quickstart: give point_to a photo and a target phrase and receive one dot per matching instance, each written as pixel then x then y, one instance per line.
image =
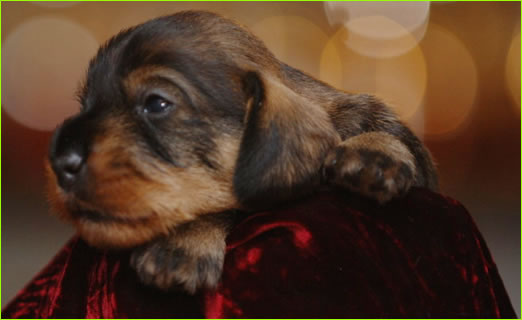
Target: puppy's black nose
pixel 68 153
pixel 69 168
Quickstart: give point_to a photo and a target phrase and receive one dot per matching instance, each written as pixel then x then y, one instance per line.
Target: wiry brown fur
pixel 174 259
pixel 241 130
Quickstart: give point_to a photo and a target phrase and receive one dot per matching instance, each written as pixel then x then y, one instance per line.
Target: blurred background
pixel 450 69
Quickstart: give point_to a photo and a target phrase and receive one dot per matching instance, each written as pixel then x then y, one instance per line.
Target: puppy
pixel 188 120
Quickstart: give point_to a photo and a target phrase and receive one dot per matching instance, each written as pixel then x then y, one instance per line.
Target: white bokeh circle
pixel 44 59
pixel 380 29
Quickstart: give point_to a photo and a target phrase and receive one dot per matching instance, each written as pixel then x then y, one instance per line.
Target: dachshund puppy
pixel 188 120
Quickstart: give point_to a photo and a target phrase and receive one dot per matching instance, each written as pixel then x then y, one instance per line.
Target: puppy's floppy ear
pixel 285 140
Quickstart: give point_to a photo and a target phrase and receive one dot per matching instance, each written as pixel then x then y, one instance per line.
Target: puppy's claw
pixel 371 173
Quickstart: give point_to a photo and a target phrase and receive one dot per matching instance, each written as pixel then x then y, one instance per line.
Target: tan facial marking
pixel 146 197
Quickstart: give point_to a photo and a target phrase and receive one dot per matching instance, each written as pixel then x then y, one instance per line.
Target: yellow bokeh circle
pixel 400 81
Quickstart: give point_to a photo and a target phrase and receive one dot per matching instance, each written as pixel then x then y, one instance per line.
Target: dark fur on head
pixel 189 115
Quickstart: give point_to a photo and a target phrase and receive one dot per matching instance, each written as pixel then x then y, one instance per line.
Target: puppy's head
pixel 181 116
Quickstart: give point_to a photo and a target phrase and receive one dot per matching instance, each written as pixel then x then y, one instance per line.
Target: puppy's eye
pixel 156 104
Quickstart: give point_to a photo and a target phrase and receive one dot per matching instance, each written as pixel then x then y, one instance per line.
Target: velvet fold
pixel 333 255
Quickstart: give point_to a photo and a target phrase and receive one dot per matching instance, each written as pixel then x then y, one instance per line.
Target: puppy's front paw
pixel 168 264
pixel 371 173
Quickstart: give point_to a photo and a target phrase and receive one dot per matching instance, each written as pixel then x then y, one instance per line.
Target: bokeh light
pixel 43 61
pixel 452 82
pixel 286 35
pixel 400 81
pixel 513 69
pixel 55 4
pixel 380 29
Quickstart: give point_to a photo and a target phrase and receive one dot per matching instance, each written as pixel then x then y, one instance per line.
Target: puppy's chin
pixel 108 233
pixel 100 228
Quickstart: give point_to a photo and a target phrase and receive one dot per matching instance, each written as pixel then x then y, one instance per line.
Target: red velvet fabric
pixel 332 255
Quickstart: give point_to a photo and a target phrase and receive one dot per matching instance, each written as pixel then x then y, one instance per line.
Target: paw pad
pixel 371 173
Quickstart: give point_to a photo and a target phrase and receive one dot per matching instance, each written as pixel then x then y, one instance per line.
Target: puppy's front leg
pixel 374 164
pixel 191 257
